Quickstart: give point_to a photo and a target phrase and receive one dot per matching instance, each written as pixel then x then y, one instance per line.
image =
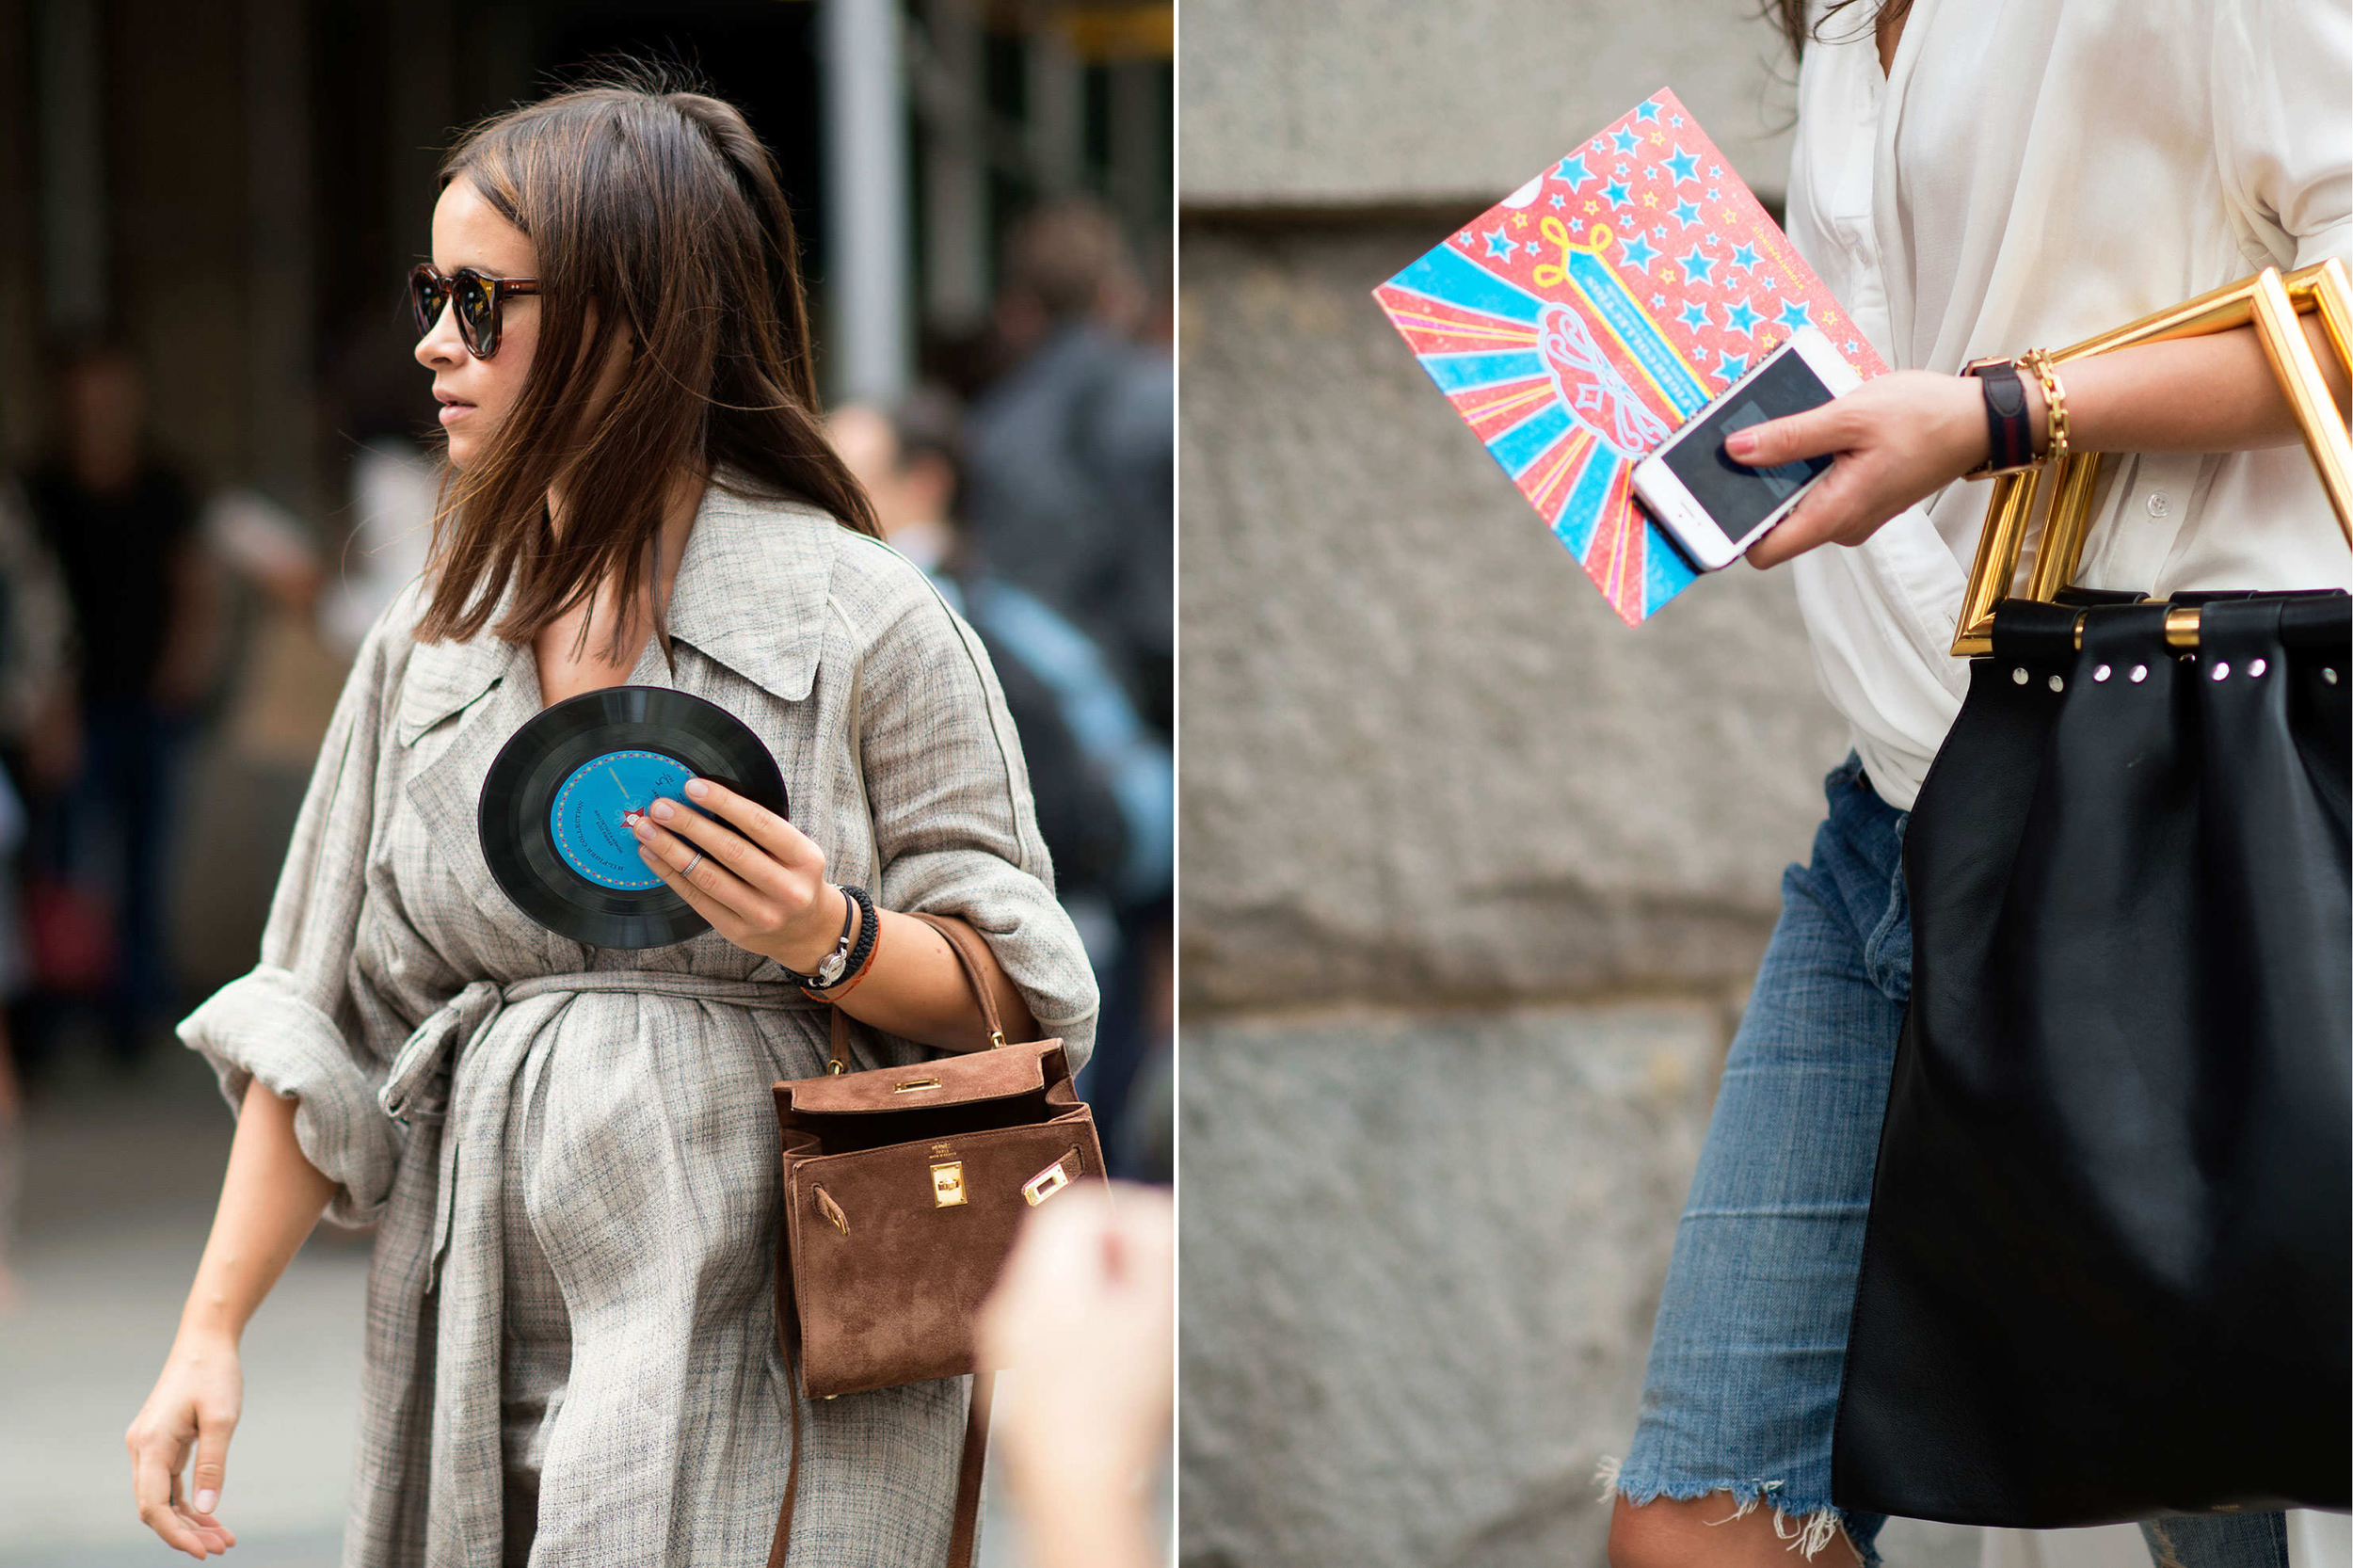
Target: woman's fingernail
pixel 696 787
pixel 1740 443
pixel 640 826
pixel 633 816
pixel 663 811
pixel 207 1501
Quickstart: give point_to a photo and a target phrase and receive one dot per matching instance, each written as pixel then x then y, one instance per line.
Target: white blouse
pixel 2028 173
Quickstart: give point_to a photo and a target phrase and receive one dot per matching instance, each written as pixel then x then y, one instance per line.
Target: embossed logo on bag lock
pixel 948 1184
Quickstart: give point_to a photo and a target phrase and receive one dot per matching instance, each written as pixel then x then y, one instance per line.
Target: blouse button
pixel 2159 505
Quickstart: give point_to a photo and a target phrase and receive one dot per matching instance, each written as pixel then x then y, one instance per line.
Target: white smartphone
pixel 1715 508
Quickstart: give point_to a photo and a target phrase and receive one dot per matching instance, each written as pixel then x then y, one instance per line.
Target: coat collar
pixel 752 587
pixel 750 594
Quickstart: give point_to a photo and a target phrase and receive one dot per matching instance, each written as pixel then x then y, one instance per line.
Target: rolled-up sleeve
pixel 2279 69
pixel 294 1022
pixel 955 830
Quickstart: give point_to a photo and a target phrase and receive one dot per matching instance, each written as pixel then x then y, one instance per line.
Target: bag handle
pixel 973 959
pixel 2267 299
pixel 966 944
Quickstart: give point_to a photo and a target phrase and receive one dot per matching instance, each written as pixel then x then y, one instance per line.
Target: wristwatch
pixel 2008 428
pixel 845 957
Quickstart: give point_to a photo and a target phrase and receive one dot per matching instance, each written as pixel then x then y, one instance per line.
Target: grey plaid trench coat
pixel 571 1152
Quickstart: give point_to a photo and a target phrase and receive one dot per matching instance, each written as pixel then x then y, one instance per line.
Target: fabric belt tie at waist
pixel 416 1090
pixel 407 1095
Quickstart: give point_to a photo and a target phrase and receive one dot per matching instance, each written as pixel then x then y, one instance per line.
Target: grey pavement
pixel 118 1181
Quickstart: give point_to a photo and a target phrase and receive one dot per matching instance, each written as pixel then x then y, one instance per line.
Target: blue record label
pixel 590 835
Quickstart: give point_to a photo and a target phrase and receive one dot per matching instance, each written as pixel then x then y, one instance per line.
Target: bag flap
pixel 1001 1073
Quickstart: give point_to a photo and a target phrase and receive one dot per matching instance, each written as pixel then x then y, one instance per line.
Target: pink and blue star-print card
pixel 1577 323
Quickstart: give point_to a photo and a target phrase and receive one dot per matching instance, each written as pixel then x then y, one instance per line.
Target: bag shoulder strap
pixel 964 1535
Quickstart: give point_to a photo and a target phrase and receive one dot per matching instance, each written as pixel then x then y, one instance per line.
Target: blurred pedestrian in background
pixel 1103 782
pixel 393 483
pixel 124 524
pixel 37 744
pixel 1072 453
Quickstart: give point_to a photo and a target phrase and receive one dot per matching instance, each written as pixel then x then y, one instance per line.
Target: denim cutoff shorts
pixel 1742 1386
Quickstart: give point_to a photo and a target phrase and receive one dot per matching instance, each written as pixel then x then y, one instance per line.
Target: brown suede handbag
pixel 904 1190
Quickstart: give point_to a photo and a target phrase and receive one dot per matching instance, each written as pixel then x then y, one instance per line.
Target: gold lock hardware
pixel 914 1084
pixel 948 1184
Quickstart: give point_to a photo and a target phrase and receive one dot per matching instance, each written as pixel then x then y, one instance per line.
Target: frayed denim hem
pixel 1807 1530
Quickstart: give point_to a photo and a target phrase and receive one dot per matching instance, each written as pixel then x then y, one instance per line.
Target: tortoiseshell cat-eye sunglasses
pixel 477 298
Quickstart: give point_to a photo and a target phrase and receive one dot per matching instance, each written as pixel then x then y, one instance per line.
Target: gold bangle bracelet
pixel 2038 361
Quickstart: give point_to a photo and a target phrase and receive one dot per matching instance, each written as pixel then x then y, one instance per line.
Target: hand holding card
pixel 1703 493
pixel 1576 325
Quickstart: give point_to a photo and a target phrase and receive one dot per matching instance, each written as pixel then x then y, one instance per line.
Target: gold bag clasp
pixel 1046 1183
pixel 948 1184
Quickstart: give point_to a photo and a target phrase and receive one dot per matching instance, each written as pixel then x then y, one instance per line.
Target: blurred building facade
pixel 1474 876
pixel 237 192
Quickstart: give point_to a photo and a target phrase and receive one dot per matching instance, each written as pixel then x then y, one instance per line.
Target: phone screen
pixel 1735 497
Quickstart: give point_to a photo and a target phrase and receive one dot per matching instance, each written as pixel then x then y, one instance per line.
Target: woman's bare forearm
pixel 761 882
pixel 916 988
pixel 1900 437
pixel 269 1201
pixel 2215 394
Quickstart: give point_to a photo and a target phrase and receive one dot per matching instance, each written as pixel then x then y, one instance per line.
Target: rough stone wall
pixel 1474 876
pixel 1421 756
pixel 1414 1265
pixel 1370 103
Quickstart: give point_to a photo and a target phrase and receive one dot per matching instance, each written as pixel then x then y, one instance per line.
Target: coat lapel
pixel 771 637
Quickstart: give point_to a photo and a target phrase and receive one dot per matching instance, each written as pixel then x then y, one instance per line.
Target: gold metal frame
pixel 2272 303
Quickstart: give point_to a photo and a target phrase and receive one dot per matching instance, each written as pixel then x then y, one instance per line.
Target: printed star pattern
pixel 1682 281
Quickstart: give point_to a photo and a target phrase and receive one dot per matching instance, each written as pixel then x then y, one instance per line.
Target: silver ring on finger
pixel 688 869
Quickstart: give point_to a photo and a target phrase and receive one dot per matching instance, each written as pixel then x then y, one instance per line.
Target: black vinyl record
pixel 553 799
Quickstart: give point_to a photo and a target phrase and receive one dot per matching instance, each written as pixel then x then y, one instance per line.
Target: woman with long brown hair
pixel 1974 182
pixel 571 1352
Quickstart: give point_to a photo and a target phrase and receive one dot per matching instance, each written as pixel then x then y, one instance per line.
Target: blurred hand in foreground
pixel 1085 1320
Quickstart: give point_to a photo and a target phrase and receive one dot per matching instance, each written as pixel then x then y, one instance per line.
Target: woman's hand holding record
pixel 759 880
pixel 557 810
